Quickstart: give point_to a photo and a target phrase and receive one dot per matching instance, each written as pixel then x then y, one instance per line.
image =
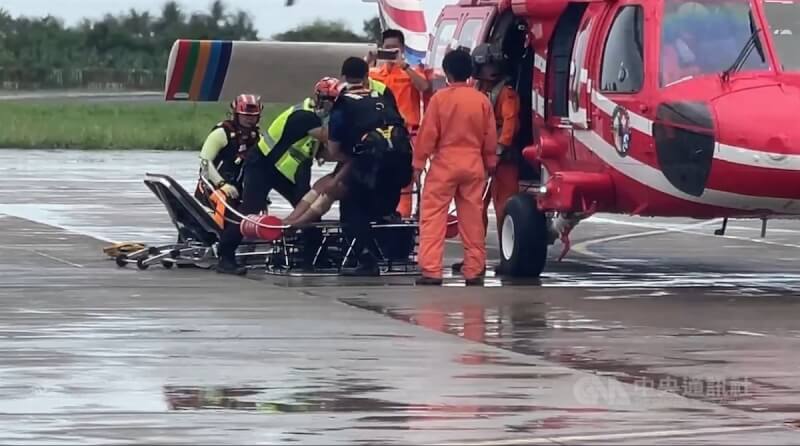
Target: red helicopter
pixel 670 108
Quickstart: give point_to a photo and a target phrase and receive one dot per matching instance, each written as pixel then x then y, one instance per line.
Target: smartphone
pixel 384 54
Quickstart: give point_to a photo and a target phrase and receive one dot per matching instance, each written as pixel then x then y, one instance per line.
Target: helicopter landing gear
pixel 562 225
pixel 523 238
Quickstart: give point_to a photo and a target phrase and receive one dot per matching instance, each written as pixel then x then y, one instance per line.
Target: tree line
pixel 129 50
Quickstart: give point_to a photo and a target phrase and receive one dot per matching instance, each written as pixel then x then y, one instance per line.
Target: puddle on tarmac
pixel 528 328
pixel 345 399
pixel 609 285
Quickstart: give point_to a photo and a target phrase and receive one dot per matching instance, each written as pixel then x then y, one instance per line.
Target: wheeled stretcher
pixel 322 248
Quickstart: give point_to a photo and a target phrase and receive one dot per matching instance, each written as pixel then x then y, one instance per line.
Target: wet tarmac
pixel 652 331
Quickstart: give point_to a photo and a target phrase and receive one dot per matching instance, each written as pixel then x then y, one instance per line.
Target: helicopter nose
pixel 758 141
pixel 744 143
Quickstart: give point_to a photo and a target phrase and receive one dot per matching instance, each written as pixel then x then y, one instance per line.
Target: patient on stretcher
pixel 318 201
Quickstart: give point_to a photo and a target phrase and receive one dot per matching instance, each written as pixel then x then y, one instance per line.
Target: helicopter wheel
pixel 523 238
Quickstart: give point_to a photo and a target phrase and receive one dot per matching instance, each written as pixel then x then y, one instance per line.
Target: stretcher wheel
pixel 452 226
pixel 141 265
pixel 167 265
pixel 121 260
pixel 523 238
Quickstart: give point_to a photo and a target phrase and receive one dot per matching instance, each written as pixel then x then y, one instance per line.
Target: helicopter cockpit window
pixel 707 38
pixel 469 33
pixel 623 56
pixel 443 39
pixel 784 22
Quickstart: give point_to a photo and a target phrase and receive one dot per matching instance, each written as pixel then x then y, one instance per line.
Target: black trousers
pixel 302 179
pixel 358 209
pixel 260 178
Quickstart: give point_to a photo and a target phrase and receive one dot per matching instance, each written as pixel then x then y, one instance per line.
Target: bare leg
pixel 333 191
pixel 302 207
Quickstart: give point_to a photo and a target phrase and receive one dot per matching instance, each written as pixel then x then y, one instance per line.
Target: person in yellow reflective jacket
pixel 279 161
pixel 377 86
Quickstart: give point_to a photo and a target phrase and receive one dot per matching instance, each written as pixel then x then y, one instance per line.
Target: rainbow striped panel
pixel 199 70
pixel 409 17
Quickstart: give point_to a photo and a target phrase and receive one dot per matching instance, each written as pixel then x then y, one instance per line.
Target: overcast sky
pixel 270 16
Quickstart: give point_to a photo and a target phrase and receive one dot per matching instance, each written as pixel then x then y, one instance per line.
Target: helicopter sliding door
pixel 579 88
pixel 560 60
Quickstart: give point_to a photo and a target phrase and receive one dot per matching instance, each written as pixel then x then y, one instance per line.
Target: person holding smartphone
pixel 409 84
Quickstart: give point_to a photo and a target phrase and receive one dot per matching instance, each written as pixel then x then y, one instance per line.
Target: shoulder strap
pixel 229 127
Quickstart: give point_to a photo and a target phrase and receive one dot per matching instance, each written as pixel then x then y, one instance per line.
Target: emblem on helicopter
pixel 621 126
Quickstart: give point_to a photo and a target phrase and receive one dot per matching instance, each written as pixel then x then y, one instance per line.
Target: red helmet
pixel 247 104
pixel 327 88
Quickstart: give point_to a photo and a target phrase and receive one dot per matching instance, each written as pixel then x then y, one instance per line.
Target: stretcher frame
pixel 198 238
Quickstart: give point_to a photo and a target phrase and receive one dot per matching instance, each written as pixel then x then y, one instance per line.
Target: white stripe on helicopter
pixel 725 152
pixel 654 178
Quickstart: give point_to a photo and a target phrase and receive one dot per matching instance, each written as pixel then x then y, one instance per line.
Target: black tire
pixel 525 230
pixel 121 260
pixel 167 265
pixel 141 265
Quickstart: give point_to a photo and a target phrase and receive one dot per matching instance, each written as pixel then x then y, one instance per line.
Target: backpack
pixel 380 144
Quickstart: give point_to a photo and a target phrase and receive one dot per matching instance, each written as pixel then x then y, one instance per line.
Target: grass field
pixel 108 125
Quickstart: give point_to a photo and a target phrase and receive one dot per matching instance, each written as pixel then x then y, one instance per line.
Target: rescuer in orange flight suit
pixel 489 69
pixel 458 132
pixel 410 86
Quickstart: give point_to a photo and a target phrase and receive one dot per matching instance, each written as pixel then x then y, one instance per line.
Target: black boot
pixel 457 267
pixel 227 265
pixel 367 266
pixel 424 280
pixel 362 270
pixel 475 281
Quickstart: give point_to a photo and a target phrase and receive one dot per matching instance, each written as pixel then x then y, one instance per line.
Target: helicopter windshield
pixel 706 37
pixel 784 22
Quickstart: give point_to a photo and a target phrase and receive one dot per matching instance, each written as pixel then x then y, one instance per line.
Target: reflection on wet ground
pixel 731 376
pixel 347 399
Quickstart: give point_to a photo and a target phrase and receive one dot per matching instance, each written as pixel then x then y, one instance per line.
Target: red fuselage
pixel 641 107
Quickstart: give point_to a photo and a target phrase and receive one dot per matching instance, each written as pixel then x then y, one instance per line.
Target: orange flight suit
pixel 459 134
pixel 506 178
pixel 410 103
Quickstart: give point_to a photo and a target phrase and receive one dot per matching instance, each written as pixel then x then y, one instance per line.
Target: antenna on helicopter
pixel 721 231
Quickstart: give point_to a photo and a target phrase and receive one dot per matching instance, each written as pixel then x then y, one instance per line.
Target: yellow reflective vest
pixel 377 86
pixel 300 151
